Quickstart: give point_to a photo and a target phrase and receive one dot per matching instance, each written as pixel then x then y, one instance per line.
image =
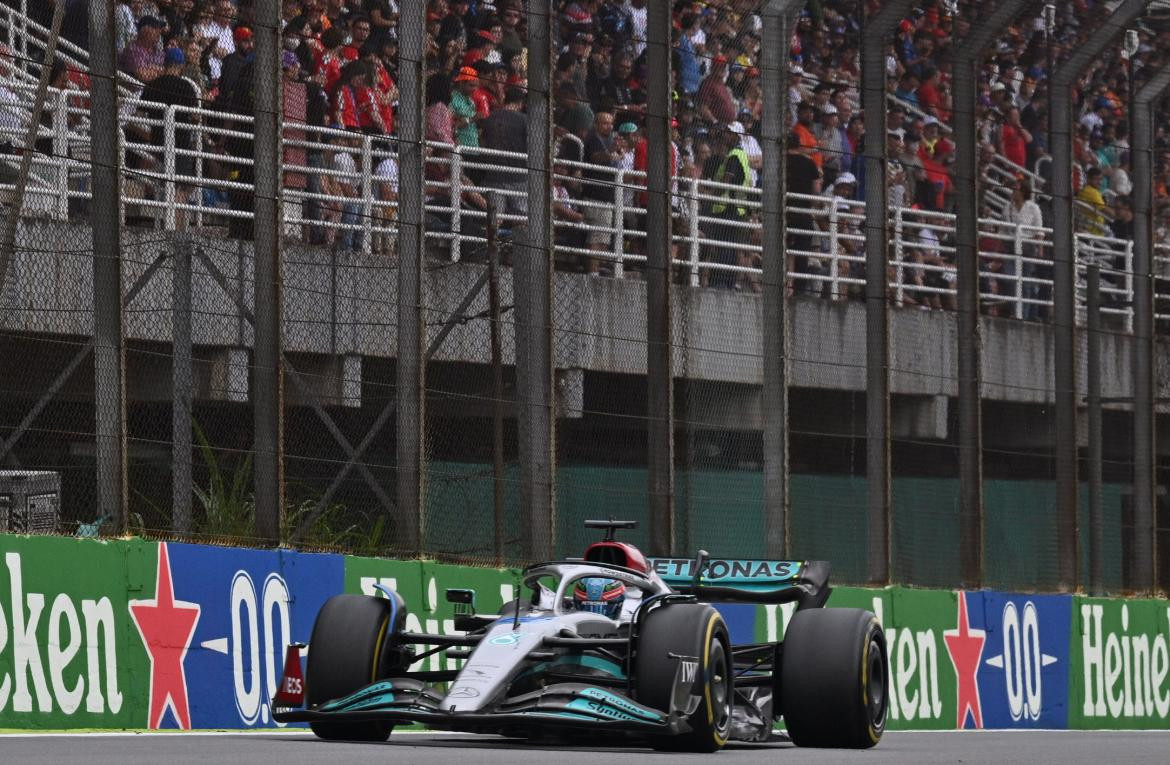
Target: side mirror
pixel 464 601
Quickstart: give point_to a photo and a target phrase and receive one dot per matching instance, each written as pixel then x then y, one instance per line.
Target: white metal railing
pixel 182 172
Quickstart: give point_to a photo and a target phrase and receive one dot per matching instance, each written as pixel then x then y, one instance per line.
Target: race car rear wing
pixel 729 580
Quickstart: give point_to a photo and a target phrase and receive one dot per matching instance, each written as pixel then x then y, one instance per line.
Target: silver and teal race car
pixel 611 641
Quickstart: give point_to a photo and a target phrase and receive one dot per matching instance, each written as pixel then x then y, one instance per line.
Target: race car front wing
pixel 564 705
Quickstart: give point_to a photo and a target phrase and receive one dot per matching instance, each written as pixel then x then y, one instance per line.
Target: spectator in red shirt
pixel 929 98
pixel 716 104
pixel 1014 138
pixel 484 96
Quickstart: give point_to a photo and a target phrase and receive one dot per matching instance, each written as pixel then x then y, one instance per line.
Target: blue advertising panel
pixel 1024 668
pixel 249 605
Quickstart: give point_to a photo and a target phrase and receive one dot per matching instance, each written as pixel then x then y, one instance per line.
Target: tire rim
pixel 719 680
pixel 876 682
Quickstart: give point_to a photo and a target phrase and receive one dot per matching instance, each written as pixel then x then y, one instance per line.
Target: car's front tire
pixel 689 630
pixel 347 652
pixel 835 678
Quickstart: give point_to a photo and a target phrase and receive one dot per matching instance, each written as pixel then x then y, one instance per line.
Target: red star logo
pixel 965 645
pixel 166 626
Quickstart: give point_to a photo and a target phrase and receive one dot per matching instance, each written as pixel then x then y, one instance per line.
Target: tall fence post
pixel 970 436
pixel 876 33
pixel 410 370
pixel 667 535
pixel 1064 277
pixel 1093 386
pixel 773 131
pixel 268 369
pixel 533 275
pixel 182 384
pixel 1144 413
pixel 106 220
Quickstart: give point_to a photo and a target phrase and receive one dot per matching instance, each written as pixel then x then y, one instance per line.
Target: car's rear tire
pixel 834 678
pixel 687 630
pixel 347 652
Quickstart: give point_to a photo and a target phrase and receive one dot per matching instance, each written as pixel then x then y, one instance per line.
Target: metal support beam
pixel 493 248
pixel 267 368
pixel 876 33
pixel 966 177
pixel 410 379
pixel 1093 383
pixel 106 219
pixel 777 16
pixel 182 384
pixel 1064 272
pixel 532 274
pixel 664 528
pixel 1144 433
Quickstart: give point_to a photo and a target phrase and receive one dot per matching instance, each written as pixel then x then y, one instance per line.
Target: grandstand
pixel 188 175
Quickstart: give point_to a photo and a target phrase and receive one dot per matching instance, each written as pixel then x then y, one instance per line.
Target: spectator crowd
pixel 340 64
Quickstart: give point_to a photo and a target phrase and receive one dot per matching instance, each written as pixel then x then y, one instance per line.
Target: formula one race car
pixel 612 641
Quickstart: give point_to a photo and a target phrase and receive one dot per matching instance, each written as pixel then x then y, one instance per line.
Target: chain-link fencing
pixel 541 397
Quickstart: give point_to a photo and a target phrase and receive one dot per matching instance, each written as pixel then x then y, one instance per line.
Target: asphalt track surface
pixel 289 748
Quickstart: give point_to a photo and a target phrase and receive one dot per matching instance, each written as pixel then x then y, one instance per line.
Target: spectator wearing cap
pixel 729 166
pixel 295 102
pixel 795 93
pixel 143 57
pixel 170 88
pixel 463 113
pixel 235 63
pixel 716 104
pixel 506 129
pixel 842 192
pixel 482 45
pixel 833 144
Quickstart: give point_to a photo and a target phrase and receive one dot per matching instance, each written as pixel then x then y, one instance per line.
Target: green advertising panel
pixel 1120 669
pixel 69 655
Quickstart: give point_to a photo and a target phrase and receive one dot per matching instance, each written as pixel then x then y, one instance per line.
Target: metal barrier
pixel 176 182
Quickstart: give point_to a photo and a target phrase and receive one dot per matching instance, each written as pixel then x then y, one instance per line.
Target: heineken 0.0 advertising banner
pixel 70 656
pixel 137 634
pixel 1120 664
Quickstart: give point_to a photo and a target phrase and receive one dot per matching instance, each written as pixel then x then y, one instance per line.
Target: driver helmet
pixel 598 595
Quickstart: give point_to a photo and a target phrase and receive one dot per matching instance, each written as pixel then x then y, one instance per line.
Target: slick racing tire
pixel 689 630
pixel 347 652
pixel 834 678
